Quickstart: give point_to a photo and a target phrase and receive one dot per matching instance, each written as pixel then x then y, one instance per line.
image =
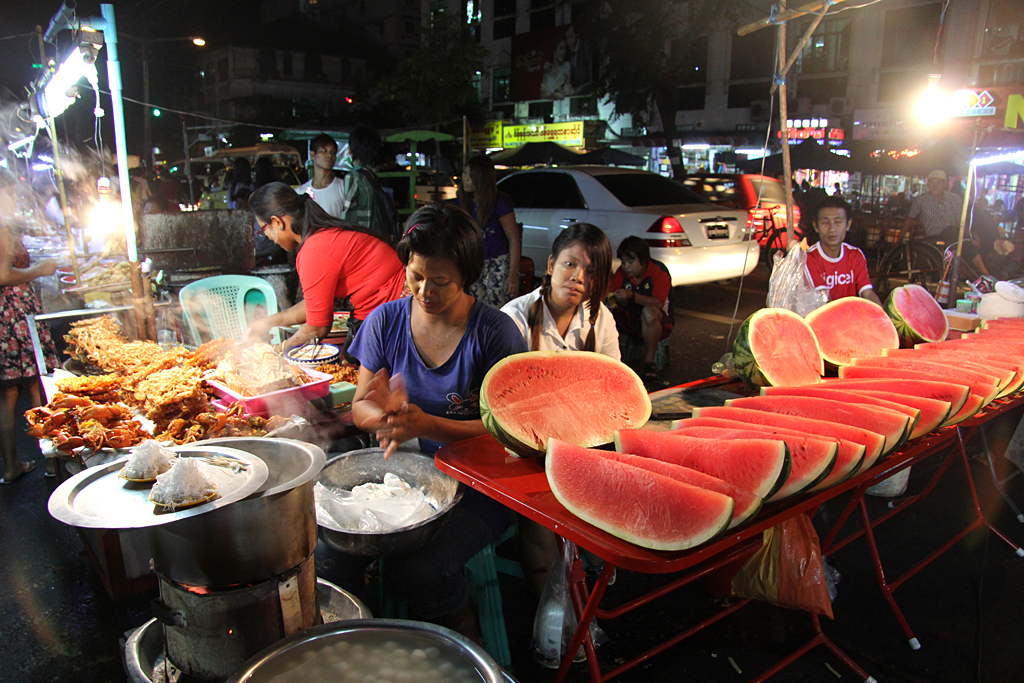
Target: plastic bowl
pixel 328 353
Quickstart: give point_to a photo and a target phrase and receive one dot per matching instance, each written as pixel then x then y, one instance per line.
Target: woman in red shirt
pixel 336 260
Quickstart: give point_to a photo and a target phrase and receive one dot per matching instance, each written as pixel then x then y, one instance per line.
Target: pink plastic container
pixel 282 402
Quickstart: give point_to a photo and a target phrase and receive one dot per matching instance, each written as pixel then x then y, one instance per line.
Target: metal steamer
pixel 236 577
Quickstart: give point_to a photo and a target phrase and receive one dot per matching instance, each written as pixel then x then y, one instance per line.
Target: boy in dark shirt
pixel 641 287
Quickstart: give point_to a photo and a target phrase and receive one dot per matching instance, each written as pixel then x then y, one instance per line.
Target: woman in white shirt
pixel 566 312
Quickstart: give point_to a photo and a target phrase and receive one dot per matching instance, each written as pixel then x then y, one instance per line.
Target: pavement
pixel 58 624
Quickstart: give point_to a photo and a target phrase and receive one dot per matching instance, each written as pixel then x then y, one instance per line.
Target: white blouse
pixel 606 336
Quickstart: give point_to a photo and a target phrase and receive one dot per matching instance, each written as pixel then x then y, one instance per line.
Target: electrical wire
pixel 17 35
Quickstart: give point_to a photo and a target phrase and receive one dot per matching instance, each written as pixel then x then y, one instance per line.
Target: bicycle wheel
pixel 916 263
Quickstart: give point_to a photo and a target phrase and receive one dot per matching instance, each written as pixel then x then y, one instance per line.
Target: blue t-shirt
pixel 495 239
pixel 451 390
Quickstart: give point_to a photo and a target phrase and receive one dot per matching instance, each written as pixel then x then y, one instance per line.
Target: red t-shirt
pixel 654 282
pixel 339 263
pixel 842 277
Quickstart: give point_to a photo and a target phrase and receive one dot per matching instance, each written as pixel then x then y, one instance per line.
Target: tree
pixel 643 47
pixel 435 82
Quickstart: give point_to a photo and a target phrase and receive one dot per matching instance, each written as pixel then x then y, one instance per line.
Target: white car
pixel 698 241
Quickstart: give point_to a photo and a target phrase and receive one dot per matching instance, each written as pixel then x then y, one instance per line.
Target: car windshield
pixel 647 189
pixel 769 190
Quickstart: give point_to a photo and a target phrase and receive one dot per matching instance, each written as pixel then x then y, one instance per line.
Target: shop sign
pixel 569 133
pixel 1003 106
pixel 487 136
pixel 797 135
pixel 969 102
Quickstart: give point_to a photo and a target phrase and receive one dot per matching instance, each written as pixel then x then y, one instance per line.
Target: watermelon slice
pixel 1011 324
pixel 916 315
pixel 776 347
pixel 639 506
pixel 760 466
pixel 573 396
pixel 918 428
pixel 811 459
pixel 870 441
pixel 973 359
pixel 895 427
pixel 986 383
pixel 972 404
pixel 747 504
pixel 954 394
pixel 852 327
pixel 932 413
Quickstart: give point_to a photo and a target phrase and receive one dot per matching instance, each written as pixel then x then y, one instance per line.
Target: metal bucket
pixel 264 535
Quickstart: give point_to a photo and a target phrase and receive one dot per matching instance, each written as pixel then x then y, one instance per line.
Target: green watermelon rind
pixel 604 525
pixel 518 443
pixel 908 335
pixel 747 367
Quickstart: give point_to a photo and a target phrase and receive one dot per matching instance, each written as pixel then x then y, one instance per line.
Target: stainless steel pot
pixel 264 535
pixel 368 465
pixel 390 634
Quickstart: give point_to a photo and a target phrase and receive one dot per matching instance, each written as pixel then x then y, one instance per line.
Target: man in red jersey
pixel 832 263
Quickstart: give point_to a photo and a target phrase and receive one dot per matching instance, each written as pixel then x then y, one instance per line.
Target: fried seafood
pixel 212 425
pixel 171 394
pixel 209 354
pixel 340 373
pixel 257 370
pixel 74 421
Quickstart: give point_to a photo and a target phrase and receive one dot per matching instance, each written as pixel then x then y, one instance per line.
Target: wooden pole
pixel 785 15
pixel 139 298
pixel 787 165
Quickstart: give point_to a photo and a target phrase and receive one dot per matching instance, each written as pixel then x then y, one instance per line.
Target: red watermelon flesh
pixel 747 504
pixel 920 312
pixel 892 425
pixel 916 427
pixel 811 459
pixel 782 346
pixel 933 413
pixel 871 441
pixel 978 359
pixel 954 394
pixel 760 466
pixel 637 505
pixel 970 406
pixel 848 457
pixel 852 327
pixel 1013 324
pixel 983 383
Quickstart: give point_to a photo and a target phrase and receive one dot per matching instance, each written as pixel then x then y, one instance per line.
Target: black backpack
pixel 383 215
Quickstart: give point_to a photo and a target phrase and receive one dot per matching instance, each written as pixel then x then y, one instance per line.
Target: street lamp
pixel 933 107
pixel 148 111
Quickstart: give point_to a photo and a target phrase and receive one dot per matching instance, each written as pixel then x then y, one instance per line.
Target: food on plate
pixel 777 347
pixel 76 421
pixel 918 317
pixel 572 396
pixel 184 485
pixel 147 460
pixel 852 327
pixel 257 369
pixel 760 466
pixel 171 394
pixel 340 373
pixel 313 352
pixel 643 507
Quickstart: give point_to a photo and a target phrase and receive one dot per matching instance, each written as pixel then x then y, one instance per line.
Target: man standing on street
pixel 939 211
pixel 324 188
pixel 357 192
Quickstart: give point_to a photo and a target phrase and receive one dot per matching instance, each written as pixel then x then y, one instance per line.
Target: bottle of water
pixel 166 330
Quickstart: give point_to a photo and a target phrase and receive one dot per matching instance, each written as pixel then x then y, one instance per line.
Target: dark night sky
pixel 171 64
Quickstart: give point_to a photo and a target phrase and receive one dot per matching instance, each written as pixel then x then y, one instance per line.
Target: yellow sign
pixel 486 137
pixel 1014 110
pixel 569 133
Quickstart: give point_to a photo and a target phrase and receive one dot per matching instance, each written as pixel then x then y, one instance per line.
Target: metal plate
pixel 98 498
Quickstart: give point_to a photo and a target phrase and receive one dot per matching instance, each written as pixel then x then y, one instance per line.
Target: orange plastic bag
pixel 787 570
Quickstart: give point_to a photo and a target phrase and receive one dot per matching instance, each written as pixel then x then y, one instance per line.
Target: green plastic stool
pixel 482 574
pixel 632 350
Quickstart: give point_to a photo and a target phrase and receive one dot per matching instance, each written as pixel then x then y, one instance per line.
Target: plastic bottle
pixel 166 330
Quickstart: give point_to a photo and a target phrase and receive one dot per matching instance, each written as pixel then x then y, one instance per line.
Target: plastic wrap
pixel 791 287
pixel 555 621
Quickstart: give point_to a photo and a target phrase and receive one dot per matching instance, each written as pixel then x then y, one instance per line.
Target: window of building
pixel 312 66
pixel 583 106
pixel 584 11
pixel 504 8
pixel 267 63
pixel 437 8
pixel 820 90
pixel 472 11
pixel 1004 31
pixel 223 69
pixel 539 110
pixel 753 55
pixel 827 50
pixel 690 54
pixel 501 79
pixel 475 82
pixel 909 37
pixel 287 66
pixel 691 98
pixel 742 94
pixel 542 19
pixel 1009 73
pixel 504 28
pixel 897 86
pixel 410 29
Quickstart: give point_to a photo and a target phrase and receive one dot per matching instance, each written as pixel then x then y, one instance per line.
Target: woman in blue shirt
pixel 423 359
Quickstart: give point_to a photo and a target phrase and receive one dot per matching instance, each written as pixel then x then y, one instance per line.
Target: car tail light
pixel 669 226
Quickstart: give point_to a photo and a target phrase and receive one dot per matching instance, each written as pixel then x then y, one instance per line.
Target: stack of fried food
pixel 171 394
pixel 212 425
pixel 257 369
pixel 97 388
pixel 76 421
pixel 340 373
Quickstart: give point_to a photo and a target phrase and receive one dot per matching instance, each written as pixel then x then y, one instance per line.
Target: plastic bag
pixel 787 570
pixel 791 287
pixel 555 621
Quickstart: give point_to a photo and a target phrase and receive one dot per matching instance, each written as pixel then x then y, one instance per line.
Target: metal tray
pixel 97 498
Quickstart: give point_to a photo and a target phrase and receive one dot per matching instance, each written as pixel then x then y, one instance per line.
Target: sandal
pixel 650 371
pixel 28 467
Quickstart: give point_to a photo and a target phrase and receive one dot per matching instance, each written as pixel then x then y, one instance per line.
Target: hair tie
pixel 412 228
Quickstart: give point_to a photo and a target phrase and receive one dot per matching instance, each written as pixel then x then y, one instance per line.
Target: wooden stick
pixel 799 48
pixel 787 165
pixel 784 16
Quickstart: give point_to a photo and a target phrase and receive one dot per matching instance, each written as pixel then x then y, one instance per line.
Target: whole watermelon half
pixel 776 347
pixel 918 317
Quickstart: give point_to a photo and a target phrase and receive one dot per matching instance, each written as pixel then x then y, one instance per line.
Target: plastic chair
pixel 224 305
pixel 632 349
pixel 482 574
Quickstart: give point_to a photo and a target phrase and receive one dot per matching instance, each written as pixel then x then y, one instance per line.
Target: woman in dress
pixel 335 260
pixel 17 360
pixel 423 359
pixel 495 214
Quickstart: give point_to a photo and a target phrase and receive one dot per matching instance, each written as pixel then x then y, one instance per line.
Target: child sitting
pixel 641 288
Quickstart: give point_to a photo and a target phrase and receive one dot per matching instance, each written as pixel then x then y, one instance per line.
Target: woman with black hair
pixel 423 361
pixel 335 260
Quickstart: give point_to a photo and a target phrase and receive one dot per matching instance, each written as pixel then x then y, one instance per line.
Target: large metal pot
pixel 264 535
pixel 312 648
pixel 368 465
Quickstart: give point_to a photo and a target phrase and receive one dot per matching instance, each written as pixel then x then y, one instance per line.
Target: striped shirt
pixel 937 215
pixel 357 198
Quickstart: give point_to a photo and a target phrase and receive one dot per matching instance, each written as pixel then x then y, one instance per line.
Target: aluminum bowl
pixel 368 465
pixel 312 649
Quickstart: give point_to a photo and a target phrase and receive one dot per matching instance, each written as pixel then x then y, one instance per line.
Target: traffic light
pixel 156 112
